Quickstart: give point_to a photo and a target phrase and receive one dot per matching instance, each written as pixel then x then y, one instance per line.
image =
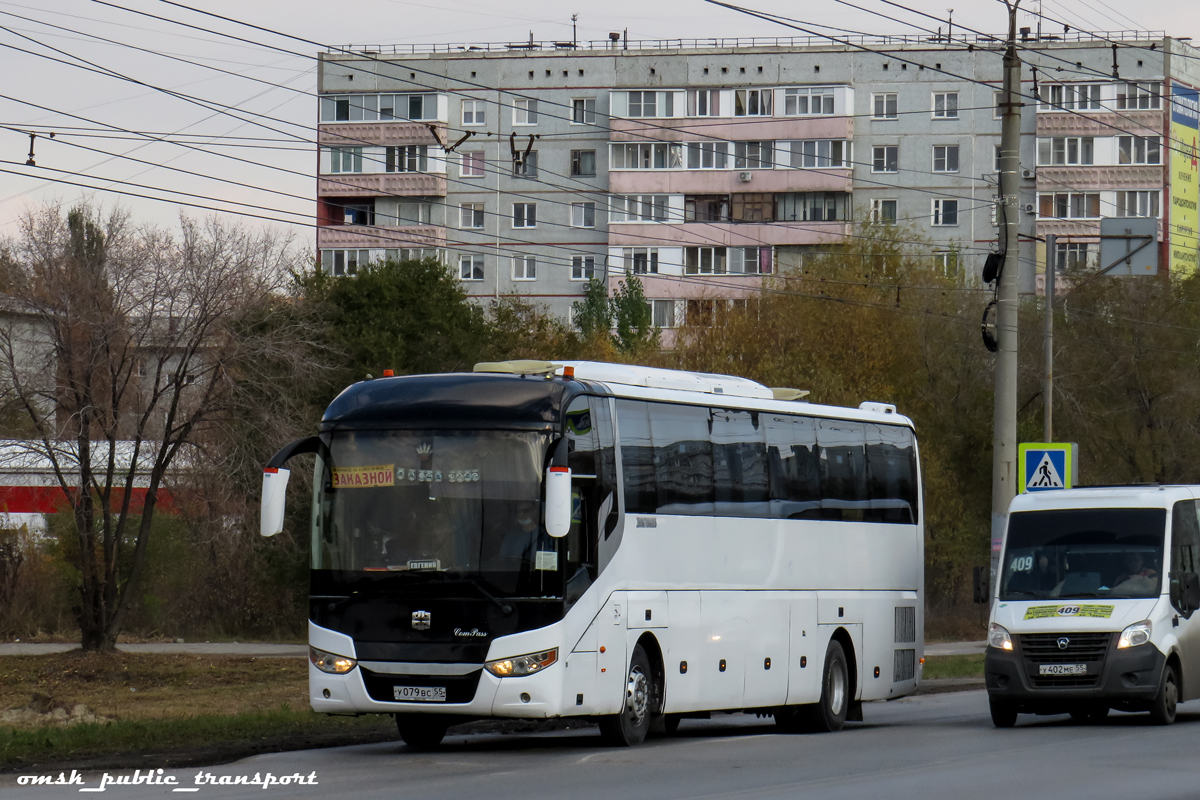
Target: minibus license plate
pixel 1062 669
pixel 420 694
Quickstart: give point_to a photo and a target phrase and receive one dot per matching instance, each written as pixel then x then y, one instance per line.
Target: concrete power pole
pixel 1004 443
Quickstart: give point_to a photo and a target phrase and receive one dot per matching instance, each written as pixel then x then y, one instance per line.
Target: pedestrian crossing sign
pixel 1043 467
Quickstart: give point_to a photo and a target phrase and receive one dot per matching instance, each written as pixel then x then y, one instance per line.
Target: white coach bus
pixel 631 545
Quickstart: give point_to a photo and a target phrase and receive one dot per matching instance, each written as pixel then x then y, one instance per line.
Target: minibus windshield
pixel 1081 553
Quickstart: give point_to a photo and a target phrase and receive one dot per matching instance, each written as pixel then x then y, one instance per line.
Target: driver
pixel 1135 567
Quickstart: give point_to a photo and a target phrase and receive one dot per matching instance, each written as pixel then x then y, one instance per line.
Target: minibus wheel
pixel 1004 714
pixel 420 733
pixel 1162 708
pixel 630 726
pixel 830 713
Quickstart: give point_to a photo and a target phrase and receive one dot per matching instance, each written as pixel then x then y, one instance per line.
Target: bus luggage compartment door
pixel 646 609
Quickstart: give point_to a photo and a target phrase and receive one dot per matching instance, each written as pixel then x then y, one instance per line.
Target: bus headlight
pixel 522 665
pixel 328 662
pixel 999 637
pixel 1135 634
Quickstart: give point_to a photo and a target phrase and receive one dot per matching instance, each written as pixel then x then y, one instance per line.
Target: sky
pixel 113 83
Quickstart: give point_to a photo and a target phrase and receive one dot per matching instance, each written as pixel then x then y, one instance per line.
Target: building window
pixel 885 158
pixel 945 105
pixel 662 313
pixel 884 106
pixel 1070 205
pixel 757 207
pixel 708 155
pixel 344 262
pixel 651 104
pixel 1069 97
pixel 821 153
pixel 583 215
pixel 470 268
pixel 1060 150
pixel 583 163
pixel 525 111
pixel 583 111
pixel 699 313
pixel 345 159
pixel 753 155
pixel 398 254
pixel 640 260
pixel 376 107
pixel 813 207
pixel 807 102
pixel 945 213
pixel 752 103
pixel 640 208
pixel 473 112
pixel 749 260
pixel 947 262
pixel 359 213
pixel 471 215
pixel 583 268
pixel 1137 96
pixel 524 215
pixel 409 158
pixel 525 164
pixel 706 208
pixel 1137 204
pixel 1139 149
pixel 945 158
pixel 704 260
pixel 704 103
pixel 524 268
pixel 414 213
pixel 883 211
pixel 646 155
pixel 1072 255
pixel 472 164
pixel 996 157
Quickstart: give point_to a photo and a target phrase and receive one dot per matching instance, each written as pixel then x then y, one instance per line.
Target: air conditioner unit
pixel 1028 174
pixel 745 177
pixel 1029 208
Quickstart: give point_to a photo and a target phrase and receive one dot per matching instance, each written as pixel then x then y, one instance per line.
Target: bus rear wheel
pixel 830 712
pixel 420 733
pixel 630 726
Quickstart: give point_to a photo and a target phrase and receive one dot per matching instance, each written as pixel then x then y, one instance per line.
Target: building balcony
pixel 743 129
pixel 348 134
pixel 383 184
pixel 1099 123
pixel 1098 179
pixel 727 181
pixel 381 236
pixel 727 234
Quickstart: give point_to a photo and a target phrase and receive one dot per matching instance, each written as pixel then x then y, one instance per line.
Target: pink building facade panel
pixel 348 134
pixel 353 236
pixel 718 181
pixel 407 184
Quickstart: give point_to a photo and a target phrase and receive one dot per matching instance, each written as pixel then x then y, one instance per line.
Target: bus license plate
pixel 1062 669
pixel 420 694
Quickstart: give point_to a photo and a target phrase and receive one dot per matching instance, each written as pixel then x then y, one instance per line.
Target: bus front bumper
pixel 1130 678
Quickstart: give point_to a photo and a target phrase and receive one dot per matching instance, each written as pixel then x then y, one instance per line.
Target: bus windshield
pixel 1080 553
pixel 419 505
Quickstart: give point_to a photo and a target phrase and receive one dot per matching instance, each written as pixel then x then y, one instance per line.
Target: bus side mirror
pixel 1185 592
pixel 275 481
pixel 979 583
pixel 558 501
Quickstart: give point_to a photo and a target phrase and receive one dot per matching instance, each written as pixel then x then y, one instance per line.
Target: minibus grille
pixel 1080 648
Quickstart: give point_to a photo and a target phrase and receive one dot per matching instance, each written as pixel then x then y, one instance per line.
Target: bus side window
pixel 792 464
pixel 739 449
pixel 890 474
pixel 843 469
pixel 637 457
pixel 1185 537
pixel 683 461
pixel 606 461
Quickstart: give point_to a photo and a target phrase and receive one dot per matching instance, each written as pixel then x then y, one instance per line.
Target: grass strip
pixel 964 666
pixel 204 735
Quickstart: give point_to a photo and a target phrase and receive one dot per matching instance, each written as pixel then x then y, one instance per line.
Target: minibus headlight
pixel 328 662
pixel 522 665
pixel 999 637
pixel 1135 634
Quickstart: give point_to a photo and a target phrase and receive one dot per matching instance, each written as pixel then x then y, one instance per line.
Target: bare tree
pixel 127 349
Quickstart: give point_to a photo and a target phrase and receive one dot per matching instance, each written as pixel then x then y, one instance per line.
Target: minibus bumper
pixel 1130 677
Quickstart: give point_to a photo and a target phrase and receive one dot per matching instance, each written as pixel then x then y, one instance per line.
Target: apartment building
pixel 705 167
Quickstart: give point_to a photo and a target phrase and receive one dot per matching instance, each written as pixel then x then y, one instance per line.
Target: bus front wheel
pixel 420 733
pixel 630 726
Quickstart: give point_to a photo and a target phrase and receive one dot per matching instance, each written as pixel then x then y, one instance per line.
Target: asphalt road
pixel 931 746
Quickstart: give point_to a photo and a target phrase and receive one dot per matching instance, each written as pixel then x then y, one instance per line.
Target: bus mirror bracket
pixel 275 481
pixel 558 501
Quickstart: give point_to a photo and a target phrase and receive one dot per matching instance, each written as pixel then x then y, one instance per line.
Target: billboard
pixel 1185 180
